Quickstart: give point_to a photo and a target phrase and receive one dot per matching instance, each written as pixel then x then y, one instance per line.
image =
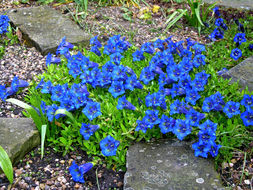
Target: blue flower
pixel 240 38
pixel 214 149
pixel 3 93
pixel 155 100
pixel 194 117
pixel 231 108
pixel 220 23
pixel 148 48
pixel 167 124
pixel 216 34
pixel 182 128
pixel 222 71
pixel 199 60
pixel 87 130
pixel 138 55
pixel 58 92
pixel 159 44
pixel 247 101
pixel 178 107
pixel 247 117
pixel 201 149
pixel 64 47
pixel 124 104
pixel 51 111
pixel 208 125
pixel 151 116
pixel 116 57
pixel 250 47
pixel 143 125
pixel 77 172
pixel 47 87
pixel 52 59
pixel 43 107
pixel 236 54
pixel 216 11
pixel 95 50
pixel 199 48
pixel 117 88
pixel 214 102
pixel 192 96
pixel 95 42
pixel 132 82
pixel 206 136
pixel 146 75
pixel 109 146
pixel 92 110
pixel 4 23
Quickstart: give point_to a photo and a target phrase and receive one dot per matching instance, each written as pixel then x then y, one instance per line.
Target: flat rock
pixel 238 4
pixel 44 27
pixel 170 165
pixel 243 72
pixel 18 137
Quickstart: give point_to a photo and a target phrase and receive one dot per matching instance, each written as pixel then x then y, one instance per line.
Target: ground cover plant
pixel 147 101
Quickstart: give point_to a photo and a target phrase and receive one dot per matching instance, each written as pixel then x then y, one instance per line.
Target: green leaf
pixel 43 135
pixel 6 164
pixel 175 19
pixel 35 116
pixel 67 113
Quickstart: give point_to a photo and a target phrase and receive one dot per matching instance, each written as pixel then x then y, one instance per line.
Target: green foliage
pixel 6 165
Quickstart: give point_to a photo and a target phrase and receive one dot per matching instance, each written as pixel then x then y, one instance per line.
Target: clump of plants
pixel 104 99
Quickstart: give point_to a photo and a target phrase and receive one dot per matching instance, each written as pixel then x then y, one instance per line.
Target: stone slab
pixel 168 165
pixel 18 137
pixel 238 4
pixel 243 72
pixel 44 27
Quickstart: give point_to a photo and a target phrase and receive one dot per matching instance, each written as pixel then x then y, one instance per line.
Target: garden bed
pixel 105 22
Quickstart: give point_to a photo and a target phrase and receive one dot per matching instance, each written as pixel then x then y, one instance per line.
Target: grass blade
pixel 6 164
pixel 67 113
pixel 43 135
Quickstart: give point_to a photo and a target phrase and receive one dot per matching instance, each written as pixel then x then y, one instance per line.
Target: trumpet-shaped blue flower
pixel 192 96
pixel 124 104
pixel 208 125
pixel 138 55
pixel 240 38
pixel 47 87
pixel 247 117
pixel 92 110
pixel 167 124
pixel 182 128
pixel 155 100
pixel 109 146
pixel 95 42
pixel 117 88
pixel 3 93
pixel 201 149
pixel 207 135
pixel 52 59
pixel 247 101
pixel 236 53
pixel 95 50
pixel 194 117
pixel 214 149
pixel 87 130
pixel 63 48
pixel 231 108
pixel 143 125
pixel 148 48
pixel 216 11
pixel 146 75
pixel 216 34
pixel 77 172
pixel 151 116
pixel 4 23
pixel 116 57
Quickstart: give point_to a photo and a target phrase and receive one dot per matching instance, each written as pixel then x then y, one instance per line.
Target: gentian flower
pixel 216 34
pixel 159 44
pixel 58 92
pixel 51 111
pixel 190 43
pixel 194 117
pixel 77 172
pixel 87 130
pixel 109 146
pixel 146 75
pixel 116 57
pixel 192 96
pixel 208 125
pixel 92 110
pixel 47 87
pixel 178 107
pixel 236 54
pixel 63 48
pixel 43 107
pixel 247 117
pixel 201 149
pixel 182 128
pixel 206 136
pixel 247 101
pixel 95 42
pixel 138 55
pixel 231 108
pixel 108 68
pixel 143 125
pixel 119 73
pixel 166 124
pixel 213 102
pixel 199 60
pixel 4 23
pixel 117 88
pixel 240 38
pixel 155 100
pixel 151 116
pixel 3 93
pixel 95 50
pixel 132 82
pixel 221 72
pixel 216 11
pixel 250 47
pixel 214 149
pixel 124 104
pixel 199 48
pixel 148 48
pixel 52 59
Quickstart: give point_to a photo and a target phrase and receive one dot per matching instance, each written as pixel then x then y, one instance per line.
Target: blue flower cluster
pixel 13 89
pixel 109 146
pixel 4 23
